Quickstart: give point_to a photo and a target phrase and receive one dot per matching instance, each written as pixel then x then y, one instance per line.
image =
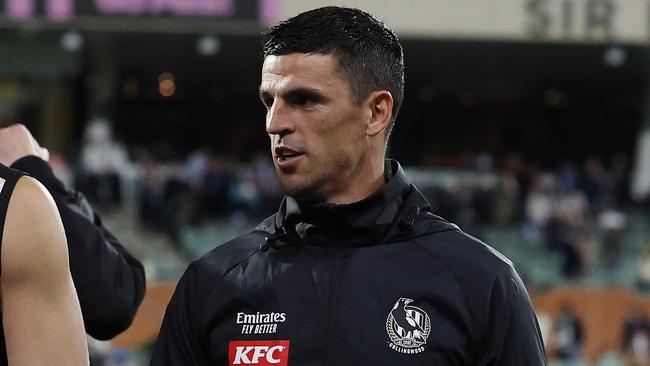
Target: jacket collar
pixel 369 221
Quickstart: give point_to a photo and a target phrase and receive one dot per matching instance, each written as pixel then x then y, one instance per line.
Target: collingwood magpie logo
pixel 408 327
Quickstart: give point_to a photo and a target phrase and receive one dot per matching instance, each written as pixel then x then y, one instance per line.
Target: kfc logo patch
pixel 261 353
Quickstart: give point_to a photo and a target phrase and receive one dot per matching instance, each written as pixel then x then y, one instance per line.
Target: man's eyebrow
pixel 301 95
pixel 295 93
pixel 304 91
pixel 297 90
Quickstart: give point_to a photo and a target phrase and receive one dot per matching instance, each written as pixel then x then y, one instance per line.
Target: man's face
pixel 318 134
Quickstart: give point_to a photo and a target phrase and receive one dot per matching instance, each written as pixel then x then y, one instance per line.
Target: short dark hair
pixel 368 53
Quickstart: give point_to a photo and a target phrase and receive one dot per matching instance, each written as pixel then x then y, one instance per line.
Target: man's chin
pixel 299 192
pixel 296 194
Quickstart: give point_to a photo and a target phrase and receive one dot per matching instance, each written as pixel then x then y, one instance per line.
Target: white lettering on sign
pixel 63 10
pixel 591 19
pixel 59 10
pixel 20 9
pixel 204 8
pixel 588 21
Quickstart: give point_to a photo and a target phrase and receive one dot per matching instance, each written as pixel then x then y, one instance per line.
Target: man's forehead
pixel 298 60
pixel 297 68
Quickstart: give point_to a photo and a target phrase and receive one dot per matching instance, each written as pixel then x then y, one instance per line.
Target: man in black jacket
pixel 354 269
pixel 110 282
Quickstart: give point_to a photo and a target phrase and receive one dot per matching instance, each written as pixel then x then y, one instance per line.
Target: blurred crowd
pixel 171 191
pixel 564 339
pixel 565 207
pixel 206 186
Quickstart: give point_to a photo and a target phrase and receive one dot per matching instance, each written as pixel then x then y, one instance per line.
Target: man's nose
pixel 278 120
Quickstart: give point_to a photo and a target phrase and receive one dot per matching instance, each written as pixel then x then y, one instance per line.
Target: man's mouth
pixel 283 153
pixel 285 157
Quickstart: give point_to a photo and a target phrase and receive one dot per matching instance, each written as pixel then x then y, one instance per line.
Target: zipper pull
pixel 407 224
pixel 270 241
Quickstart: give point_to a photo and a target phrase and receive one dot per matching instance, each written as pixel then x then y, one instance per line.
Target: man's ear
pixel 380 104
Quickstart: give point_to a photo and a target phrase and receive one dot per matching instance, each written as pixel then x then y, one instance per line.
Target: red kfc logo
pixel 261 353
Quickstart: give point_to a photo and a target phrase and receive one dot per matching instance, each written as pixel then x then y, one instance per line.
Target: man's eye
pixel 303 100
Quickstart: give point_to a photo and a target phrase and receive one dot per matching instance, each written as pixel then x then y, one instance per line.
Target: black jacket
pixel 110 282
pixel 378 282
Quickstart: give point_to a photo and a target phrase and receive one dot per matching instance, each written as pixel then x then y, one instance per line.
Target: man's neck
pixel 360 189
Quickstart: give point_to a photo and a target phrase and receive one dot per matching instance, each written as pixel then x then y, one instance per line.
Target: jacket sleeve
pixel 110 282
pixel 178 340
pixel 512 336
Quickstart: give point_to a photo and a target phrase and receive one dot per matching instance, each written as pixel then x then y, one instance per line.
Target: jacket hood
pixel 397 211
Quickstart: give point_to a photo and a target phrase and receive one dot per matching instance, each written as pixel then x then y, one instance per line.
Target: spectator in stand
pixel 593 183
pixel 568 176
pixel 103 164
pixel 217 183
pixel 149 194
pixel 636 338
pixel 508 192
pixel 482 194
pixel 539 203
pixel 160 194
pixel 619 181
pixel 194 170
pixel 267 183
pixel 612 225
pixel 244 196
pixel 572 207
pixel 528 174
pixel 558 238
pixel 567 335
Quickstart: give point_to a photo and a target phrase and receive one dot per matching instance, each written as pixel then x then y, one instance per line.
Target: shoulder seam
pixel 462 289
pixel 231 268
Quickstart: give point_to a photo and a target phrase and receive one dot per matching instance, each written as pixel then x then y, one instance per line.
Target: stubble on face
pixel 310 113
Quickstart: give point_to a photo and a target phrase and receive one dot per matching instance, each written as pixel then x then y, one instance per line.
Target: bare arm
pixel 110 282
pixel 41 315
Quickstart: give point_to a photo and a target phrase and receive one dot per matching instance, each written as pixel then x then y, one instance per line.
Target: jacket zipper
pixel 333 305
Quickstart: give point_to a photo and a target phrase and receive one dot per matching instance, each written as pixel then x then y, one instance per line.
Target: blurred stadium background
pixel 527 122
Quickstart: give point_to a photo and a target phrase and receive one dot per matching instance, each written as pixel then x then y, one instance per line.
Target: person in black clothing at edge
pixel 354 269
pixel 41 317
pixel 110 282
